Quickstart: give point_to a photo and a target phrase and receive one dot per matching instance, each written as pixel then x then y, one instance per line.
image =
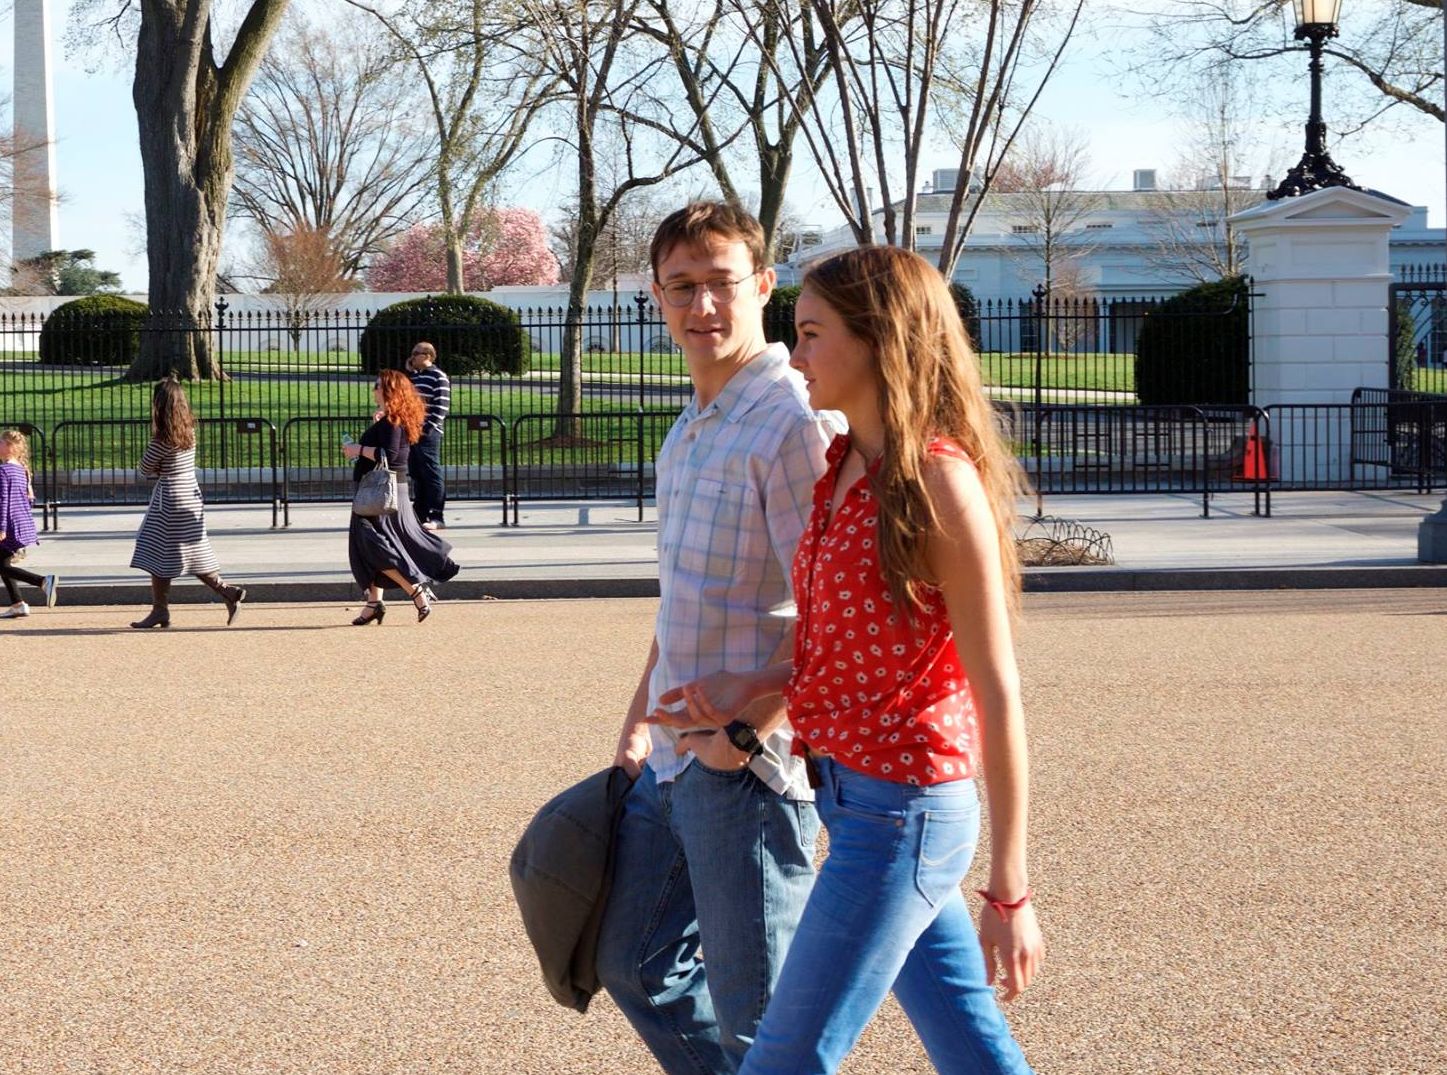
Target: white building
pixel 1122 242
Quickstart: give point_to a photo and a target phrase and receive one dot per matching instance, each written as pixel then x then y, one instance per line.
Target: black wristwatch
pixel 744 737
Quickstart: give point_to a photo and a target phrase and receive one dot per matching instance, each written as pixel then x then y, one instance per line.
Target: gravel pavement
pixel 281 847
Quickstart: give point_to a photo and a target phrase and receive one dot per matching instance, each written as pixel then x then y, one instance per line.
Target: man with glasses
pixel 429 494
pixel 715 850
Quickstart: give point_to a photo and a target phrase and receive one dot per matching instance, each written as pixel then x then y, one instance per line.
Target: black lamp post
pixel 1316 21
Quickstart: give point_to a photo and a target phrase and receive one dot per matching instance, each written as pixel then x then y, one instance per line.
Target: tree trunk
pixel 570 361
pixel 774 167
pixel 455 282
pixel 185 105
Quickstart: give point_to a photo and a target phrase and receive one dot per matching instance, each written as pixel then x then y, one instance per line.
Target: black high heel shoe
pixel 372 612
pixel 422 599
pixel 233 596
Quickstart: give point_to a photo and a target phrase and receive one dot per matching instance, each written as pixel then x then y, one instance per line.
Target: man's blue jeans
pixel 887 912
pixel 424 465
pixel 711 874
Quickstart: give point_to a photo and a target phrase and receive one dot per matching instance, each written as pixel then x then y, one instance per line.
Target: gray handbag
pixel 376 493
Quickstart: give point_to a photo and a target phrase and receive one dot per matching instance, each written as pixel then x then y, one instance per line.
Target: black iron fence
pixel 1417 329
pixel 1062 370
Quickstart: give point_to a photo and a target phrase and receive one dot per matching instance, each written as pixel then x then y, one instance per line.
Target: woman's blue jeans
pixel 887 912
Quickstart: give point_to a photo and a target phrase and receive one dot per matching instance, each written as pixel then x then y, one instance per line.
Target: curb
pixel 1035 580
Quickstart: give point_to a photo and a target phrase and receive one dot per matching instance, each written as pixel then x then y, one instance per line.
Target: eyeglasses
pixel 722 292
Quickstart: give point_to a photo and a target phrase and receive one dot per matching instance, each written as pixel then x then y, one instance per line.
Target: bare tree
pixel 327 142
pixel 1393 46
pixel 1040 187
pixel 743 69
pixel 185 104
pixel 584 45
pixel 304 271
pixel 1190 223
pixel 484 91
pixel 893 65
pixel 623 242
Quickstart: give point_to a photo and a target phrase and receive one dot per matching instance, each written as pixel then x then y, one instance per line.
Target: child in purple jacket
pixel 17 524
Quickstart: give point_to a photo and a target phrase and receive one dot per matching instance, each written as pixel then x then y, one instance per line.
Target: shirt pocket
pixel 721 527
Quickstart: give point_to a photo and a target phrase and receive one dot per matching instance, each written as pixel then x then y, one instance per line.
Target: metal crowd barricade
pixel 601 456
pixel 94 462
pixel 1398 444
pixel 474 459
pixel 313 468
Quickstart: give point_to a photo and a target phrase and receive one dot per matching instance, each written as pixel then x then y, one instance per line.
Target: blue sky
pixel 100 171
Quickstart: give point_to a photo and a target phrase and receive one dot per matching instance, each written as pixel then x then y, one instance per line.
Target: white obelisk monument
pixel 33 206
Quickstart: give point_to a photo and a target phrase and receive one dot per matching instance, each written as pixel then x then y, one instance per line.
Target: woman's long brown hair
pixel 929 385
pixel 172 422
pixel 401 405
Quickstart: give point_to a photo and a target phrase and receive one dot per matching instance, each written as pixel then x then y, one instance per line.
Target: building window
pixel 1024 229
pixel 1099 226
pixel 923 229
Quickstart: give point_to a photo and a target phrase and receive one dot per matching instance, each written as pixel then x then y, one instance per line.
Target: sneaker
pixel 15 611
pixel 48 587
pixel 430 525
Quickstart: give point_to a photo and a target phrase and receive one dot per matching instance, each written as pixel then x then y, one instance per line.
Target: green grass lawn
pixel 1430 380
pixel 332 407
pixel 1095 372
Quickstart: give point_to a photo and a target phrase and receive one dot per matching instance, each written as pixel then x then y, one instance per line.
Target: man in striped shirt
pixel 425 461
pixel 715 848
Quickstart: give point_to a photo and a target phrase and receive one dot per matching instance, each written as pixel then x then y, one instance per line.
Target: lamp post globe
pixel 1316 23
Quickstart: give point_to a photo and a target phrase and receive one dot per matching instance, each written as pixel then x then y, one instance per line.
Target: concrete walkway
pixel 576 549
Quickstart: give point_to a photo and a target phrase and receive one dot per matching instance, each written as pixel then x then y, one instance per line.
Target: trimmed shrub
pixel 779 316
pixel 969 308
pixel 779 313
pixel 1195 347
pixel 471 335
pixel 97 330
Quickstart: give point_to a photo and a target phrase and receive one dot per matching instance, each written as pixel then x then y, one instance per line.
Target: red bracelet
pixel 1003 909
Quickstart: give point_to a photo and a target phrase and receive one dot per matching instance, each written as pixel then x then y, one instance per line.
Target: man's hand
pixel 634 746
pixel 713 749
pixel 715 699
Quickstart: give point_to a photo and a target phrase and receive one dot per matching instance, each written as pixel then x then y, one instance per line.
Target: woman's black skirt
pixel 397 542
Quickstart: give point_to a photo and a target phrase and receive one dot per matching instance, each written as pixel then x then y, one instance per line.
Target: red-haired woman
pixel 394 550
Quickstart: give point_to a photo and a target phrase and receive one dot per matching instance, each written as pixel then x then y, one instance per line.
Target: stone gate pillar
pixel 1320 273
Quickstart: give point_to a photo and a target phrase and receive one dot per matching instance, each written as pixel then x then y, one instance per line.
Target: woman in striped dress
pixel 172 540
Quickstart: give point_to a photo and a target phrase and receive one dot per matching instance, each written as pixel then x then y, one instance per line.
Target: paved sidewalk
pixel 573 549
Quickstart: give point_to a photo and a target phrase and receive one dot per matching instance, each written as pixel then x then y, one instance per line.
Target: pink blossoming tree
pixel 502 247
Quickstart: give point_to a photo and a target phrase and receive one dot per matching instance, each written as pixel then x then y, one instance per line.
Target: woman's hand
pixel 714 700
pixel 1013 947
pixel 351 451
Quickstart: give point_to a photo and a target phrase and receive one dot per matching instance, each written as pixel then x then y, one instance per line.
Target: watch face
pixel 744 737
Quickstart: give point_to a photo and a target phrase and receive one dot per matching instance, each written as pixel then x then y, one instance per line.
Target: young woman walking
pixel 903 685
pixel 172 540
pixel 17 524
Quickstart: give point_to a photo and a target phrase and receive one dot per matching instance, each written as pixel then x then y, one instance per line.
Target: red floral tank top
pixel 871 689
